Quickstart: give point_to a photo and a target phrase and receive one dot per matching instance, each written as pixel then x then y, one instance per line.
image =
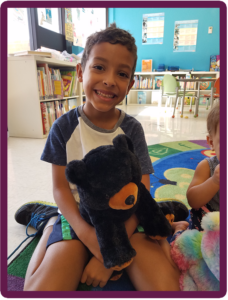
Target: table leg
pixel 197 102
pixel 175 103
pixel 182 100
pixel 212 93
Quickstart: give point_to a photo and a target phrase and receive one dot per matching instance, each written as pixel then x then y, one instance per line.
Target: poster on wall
pixel 46 16
pixel 153 28
pixel 68 25
pixel 85 22
pixel 185 36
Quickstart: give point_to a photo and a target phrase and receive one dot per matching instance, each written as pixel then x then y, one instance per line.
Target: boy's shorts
pixel 61 231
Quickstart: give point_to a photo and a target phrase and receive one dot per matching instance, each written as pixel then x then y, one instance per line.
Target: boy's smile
pixel 107 76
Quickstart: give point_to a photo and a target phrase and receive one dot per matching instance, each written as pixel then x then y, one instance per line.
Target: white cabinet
pixel 24 110
pixel 155 95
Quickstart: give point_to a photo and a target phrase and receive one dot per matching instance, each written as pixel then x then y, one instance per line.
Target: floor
pixel 29 178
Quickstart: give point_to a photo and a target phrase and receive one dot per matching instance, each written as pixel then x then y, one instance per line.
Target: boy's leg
pixel 152 268
pixel 59 268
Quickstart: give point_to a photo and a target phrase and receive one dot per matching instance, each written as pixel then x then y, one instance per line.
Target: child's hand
pixel 95 273
pixel 216 175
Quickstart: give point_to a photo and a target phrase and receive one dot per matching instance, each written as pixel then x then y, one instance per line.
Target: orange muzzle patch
pixel 125 198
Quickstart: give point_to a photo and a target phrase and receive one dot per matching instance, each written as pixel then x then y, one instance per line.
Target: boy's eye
pixel 122 74
pixel 98 67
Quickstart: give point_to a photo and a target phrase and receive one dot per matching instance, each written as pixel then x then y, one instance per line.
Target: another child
pixel 203 191
pixel 58 264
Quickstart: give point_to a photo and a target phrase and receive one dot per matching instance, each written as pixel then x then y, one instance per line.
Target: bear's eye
pixel 107 196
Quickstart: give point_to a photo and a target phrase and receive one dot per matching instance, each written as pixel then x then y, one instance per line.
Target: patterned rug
pixel 174 164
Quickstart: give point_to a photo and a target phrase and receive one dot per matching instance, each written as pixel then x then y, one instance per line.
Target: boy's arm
pixel 68 206
pixel 203 187
pixel 133 221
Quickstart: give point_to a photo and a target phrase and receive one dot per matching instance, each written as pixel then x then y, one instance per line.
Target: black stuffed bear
pixel 108 179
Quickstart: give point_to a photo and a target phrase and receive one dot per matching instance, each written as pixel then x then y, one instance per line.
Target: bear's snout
pixel 125 198
pixel 130 200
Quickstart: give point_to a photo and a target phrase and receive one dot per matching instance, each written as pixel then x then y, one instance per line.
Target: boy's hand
pixel 216 175
pixel 95 273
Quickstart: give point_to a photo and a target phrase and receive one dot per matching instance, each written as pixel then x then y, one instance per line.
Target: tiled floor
pixel 29 178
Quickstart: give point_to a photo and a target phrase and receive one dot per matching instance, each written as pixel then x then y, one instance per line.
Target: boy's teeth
pixel 105 95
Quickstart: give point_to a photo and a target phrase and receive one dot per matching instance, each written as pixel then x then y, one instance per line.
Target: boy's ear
pixel 130 85
pixel 210 142
pixel 79 72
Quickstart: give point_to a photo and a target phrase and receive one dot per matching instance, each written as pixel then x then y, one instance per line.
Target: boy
pixel 203 191
pixel 106 71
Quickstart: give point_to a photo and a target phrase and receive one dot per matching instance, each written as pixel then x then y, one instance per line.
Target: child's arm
pixel 203 187
pixel 68 206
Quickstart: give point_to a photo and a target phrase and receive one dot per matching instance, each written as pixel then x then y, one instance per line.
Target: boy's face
pixel 214 141
pixel 106 78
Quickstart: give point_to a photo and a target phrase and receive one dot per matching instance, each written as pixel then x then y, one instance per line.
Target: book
pixel 203 101
pixel 27 52
pixel 42 84
pixel 141 97
pixel 48 77
pixel 158 82
pixel 45 82
pixel 146 65
pixel 57 88
pixel 205 85
pixel 215 63
pixel 45 120
pixel 187 100
pixel 67 81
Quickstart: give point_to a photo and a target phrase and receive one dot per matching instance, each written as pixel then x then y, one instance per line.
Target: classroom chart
pixel 185 36
pixel 153 28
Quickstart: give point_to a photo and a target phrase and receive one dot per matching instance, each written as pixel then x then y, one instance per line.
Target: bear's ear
pixel 122 142
pixel 76 172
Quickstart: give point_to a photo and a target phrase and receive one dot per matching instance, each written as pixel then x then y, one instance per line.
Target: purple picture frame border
pixel 223 149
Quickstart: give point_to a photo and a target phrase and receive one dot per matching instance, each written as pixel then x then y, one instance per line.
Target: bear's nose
pixel 130 200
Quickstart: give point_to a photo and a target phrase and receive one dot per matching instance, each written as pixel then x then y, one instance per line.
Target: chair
pixel 215 93
pixel 171 89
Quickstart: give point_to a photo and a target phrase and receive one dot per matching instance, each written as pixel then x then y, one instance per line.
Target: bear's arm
pixel 112 237
pixel 151 216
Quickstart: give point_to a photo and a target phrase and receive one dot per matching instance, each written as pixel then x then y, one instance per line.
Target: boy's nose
pixel 109 80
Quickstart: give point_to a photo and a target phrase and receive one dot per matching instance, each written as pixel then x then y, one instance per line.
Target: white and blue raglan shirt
pixel 73 135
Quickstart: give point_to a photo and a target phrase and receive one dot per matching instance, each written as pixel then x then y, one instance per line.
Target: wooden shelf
pixel 24 109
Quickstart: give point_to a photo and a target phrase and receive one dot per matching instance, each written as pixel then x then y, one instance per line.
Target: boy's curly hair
pixel 112 35
pixel 213 119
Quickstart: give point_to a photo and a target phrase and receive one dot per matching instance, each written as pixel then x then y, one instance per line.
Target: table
pixel 185 80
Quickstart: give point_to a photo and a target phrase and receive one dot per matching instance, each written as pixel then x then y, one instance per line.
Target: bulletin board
pixel 153 28
pixel 185 36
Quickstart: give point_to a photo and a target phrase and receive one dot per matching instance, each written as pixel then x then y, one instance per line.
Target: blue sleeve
pixel 141 150
pixel 55 148
pixel 134 130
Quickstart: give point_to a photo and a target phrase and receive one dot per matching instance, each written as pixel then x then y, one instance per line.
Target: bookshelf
pixel 154 95
pixel 24 110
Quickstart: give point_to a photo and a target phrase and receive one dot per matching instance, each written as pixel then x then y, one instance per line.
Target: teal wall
pixel 207 44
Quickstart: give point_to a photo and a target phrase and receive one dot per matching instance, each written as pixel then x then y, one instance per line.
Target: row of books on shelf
pixel 142 82
pixel 52 110
pixel 141 99
pixel 53 83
